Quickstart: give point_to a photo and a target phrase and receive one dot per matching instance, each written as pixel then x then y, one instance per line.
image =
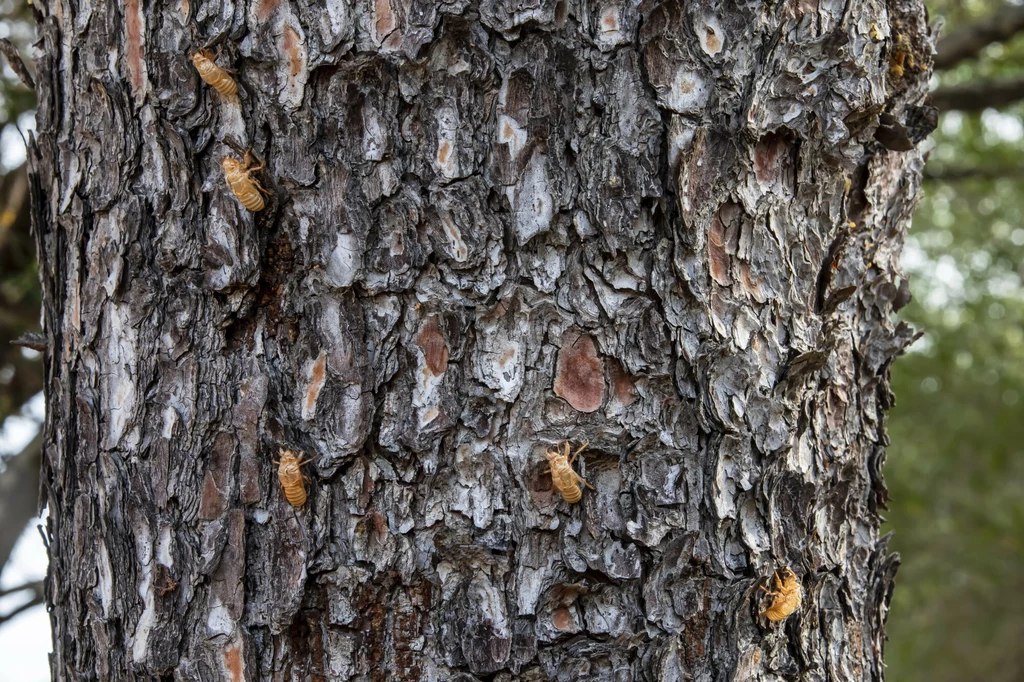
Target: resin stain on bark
pixel 511 134
pixel 611 33
pixel 709 32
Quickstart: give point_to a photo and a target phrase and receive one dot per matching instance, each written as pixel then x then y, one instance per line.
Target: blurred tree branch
pixel 36 586
pixel 38 597
pixel 979 96
pixel 19 495
pixel 19 295
pixel 969 41
pixel 973 173
pixel 8 49
pixel 21 375
pixel 15 191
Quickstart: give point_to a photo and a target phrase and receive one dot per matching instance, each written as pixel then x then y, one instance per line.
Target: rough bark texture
pixel 666 228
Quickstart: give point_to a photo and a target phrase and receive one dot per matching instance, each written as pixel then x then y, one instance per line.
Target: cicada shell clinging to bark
pixel 238 175
pixel 785 596
pixel 214 75
pixel 562 474
pixel 293 481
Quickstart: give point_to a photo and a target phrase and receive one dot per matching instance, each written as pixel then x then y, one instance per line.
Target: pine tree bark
pixel 671 230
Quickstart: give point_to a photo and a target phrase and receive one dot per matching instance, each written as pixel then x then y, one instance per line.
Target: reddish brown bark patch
pixel 768 157
pixel 317 378
pixel 265 8
pixel 226 587
pixel 718 258
pixel 384 17
pixel 444 152
pixel 750 286
pixel 218 478
pixel 562 619
pixel 380 526
pixel 133 27
pixel 579 376
pixel 408 621
pixel 540 482
pixel 212 504
pixel 164 581
pixel 714 44
pixel 292 49
pixel 371 603
pixel 435 350
pixel 233 662
pixel 249 479
pixel 623 388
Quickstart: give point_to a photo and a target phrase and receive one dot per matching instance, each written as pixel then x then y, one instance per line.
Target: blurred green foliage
pixel 17 26
pixel 20 371
pixel 956 464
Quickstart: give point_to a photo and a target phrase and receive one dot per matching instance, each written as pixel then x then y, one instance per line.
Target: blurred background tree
pixel 955 468
pixel 21 371
pixel 956 464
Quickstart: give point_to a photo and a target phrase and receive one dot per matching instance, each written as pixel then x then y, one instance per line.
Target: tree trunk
pixel 670 230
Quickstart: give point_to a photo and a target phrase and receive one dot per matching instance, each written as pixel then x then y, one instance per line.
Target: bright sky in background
pixel 25 640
